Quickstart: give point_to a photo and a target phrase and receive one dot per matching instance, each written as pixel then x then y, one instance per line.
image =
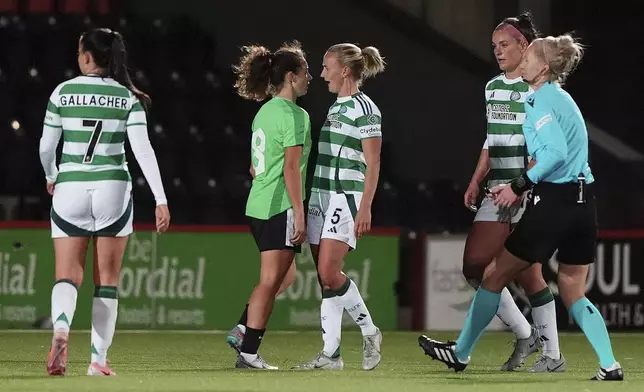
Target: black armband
pixel 521 184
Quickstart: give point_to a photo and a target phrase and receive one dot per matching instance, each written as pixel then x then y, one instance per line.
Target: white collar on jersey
pixel 511 81
pixel 348 97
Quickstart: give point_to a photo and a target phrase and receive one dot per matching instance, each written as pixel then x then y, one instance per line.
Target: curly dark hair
pixel 261 73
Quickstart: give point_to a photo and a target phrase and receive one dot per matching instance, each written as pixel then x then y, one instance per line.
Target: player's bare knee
pixel 330 276
pixel 269 287
pixel 569 292
pixel 489 270
pixel 327 278
pixel 108 273
pixel 492 279
pixel 475 263
pixel 572 283
pixel 532 280
pixel 498 274
pixel 108 259
pixel 271 279
pixel 493 283
pixel 532 286
pixel 70 272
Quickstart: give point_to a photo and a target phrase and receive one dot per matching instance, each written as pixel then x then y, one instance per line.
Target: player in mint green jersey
pixel 503 158
pixel 91 188
pixel 280 147
pixel 346 177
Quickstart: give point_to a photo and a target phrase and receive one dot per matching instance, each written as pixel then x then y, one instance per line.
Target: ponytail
pixel 117 69
pixel 108 49
pixel 373 62
pixel 261 73
pixel 254 73
pixel 363 63
pixel 562 54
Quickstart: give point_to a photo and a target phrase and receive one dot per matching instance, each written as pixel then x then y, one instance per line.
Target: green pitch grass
pixel 203 362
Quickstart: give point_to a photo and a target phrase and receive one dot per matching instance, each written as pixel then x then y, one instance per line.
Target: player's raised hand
pixel 162 218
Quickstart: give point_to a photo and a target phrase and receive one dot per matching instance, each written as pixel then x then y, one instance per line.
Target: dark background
pixel 431 95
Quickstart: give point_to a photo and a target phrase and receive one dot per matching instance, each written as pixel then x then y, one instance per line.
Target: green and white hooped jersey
pixel 341 164
pixel 505 99
pixel 94 114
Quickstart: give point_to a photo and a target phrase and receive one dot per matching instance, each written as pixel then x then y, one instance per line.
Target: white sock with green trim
pixel 63 304
pixel 544 314
pixel 331 311
pixel 104 313
pixel 357 308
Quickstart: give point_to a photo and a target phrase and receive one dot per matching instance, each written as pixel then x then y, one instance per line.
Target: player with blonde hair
pixel 561 213
pixel 503 158
pixel 344 185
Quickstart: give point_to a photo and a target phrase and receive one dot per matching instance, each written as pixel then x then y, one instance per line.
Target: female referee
pixel 345 182
pixel 503 158
pixel 280 147
pixel 92 193
pixel 561 213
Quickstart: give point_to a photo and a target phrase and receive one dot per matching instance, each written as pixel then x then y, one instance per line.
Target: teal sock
pixel 482 311
pixel 592 323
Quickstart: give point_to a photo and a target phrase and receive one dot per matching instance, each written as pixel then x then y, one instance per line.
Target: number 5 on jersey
pixel 97 129
pixel 336 217
pixel 258 148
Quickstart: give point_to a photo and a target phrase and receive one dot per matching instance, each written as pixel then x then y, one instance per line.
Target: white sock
pixel 357 309
pixel 545 320
pixel 63 305
pixel 510 314
pixel 331 311
pixel 104 312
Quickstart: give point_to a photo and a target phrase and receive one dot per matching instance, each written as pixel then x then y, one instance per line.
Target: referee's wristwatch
pixel 521 184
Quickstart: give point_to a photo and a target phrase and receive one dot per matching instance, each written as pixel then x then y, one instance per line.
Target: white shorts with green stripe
pixel 332 215
pixel 92 208
pixel 488 212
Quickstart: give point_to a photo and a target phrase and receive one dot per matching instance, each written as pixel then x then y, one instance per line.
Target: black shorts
pixel 275 232
pixel 553 221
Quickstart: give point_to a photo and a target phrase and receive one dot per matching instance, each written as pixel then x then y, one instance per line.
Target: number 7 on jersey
pixel 97 126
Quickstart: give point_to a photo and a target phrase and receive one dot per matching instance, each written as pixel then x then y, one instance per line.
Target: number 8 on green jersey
pixel 280 123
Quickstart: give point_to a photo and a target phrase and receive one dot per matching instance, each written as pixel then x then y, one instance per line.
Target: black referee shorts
pixel 553 221
pixel 275 232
